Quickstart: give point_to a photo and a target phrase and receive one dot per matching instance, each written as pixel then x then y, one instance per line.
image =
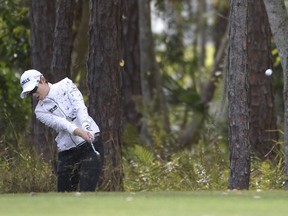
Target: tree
pixel 80 45
pixel 202 28
pixel 42 21
pixel 221 21
pixel 63 39
pixel 14 55
pixel 192 131
pixel 131 76
pixel 238 97
pixel 104 70
pixel 261 104
pixel 151 83
pixel 278 19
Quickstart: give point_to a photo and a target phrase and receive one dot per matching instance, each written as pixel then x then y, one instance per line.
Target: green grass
pixel 244 203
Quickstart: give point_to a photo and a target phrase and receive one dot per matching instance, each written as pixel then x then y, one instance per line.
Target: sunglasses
pixel 33 91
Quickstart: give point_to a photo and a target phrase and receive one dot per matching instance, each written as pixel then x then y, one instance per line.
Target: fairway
pixel 246 203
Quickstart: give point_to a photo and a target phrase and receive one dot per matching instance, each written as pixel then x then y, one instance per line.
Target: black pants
pixel 80 166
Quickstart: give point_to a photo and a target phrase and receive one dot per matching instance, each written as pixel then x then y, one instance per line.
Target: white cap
pixel 29 80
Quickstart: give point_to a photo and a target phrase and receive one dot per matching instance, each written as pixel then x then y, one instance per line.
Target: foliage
pixel 269 174
pixel 14 55
pixel 22 170
pixel 176 94
pixel 14 34
pixel 14 111
pixel 185 171
pixel 203 167
pixel 200 169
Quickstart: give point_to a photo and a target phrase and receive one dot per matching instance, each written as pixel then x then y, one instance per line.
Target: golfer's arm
pixel 56 122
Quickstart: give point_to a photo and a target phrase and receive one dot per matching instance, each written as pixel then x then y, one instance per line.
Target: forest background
pixel 165 110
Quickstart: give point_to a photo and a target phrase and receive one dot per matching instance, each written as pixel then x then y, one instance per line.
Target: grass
pixel 240 203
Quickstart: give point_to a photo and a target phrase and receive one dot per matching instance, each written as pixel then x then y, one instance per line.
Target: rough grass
pixel 224 203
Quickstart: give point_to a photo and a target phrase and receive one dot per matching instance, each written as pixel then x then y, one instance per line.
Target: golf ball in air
pixel 268 72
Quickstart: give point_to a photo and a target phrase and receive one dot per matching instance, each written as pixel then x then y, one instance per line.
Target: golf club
pixel 97 153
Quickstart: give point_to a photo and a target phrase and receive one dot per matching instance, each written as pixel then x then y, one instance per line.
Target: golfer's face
pixel 38 92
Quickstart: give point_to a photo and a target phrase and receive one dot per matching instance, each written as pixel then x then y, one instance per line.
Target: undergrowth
pixel 202 167
pixel 199 169
pixel 184 171
pixel 205 166
pixel 23 170
pixel 268 174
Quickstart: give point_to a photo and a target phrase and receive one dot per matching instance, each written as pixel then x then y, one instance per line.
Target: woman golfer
pixel 80 150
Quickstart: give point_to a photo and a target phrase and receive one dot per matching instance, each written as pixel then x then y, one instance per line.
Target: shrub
pixel 22 170
pixel 203 167
pixel 185 170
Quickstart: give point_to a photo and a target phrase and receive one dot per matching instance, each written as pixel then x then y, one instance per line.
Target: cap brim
pixel 27 89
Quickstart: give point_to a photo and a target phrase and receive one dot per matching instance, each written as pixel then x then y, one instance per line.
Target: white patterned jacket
pixel 63 109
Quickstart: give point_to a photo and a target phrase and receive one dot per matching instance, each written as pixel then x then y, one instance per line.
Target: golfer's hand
pixel 86 135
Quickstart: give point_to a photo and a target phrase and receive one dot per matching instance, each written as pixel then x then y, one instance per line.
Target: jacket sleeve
pixel 55 122
pixel 76 98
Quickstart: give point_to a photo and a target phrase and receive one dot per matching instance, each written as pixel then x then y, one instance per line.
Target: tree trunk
pixel 131 77
pixel 278 19
pixel 105 53
pixel 238 95
pixel 202 26
pixel 63 39
pixel 262 115
pixel 153 97
pixel 80 45
pixel 42 21
pixel 221 21
pixel 191 132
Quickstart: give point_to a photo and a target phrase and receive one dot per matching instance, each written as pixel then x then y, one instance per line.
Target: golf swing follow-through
pixel 80 149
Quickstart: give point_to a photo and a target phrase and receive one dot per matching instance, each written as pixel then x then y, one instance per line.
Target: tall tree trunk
pixel 42 21
pixel 152 92
pixel 131 77
pixel 175 22
pixel 238 95
pixel 105 53
pixel 278 19
pixel 261 106
pixel 63 39
pixel 202 26
pixel 80 45
pixel 221 21
pixel 191 132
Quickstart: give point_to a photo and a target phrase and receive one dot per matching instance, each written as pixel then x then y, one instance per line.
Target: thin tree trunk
pixel 131 77
pixel 80 45
pixel 152 92
pixel 238 95
pixel 63 39
pixel 221 21
pixel 202 26
pixel 191 132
